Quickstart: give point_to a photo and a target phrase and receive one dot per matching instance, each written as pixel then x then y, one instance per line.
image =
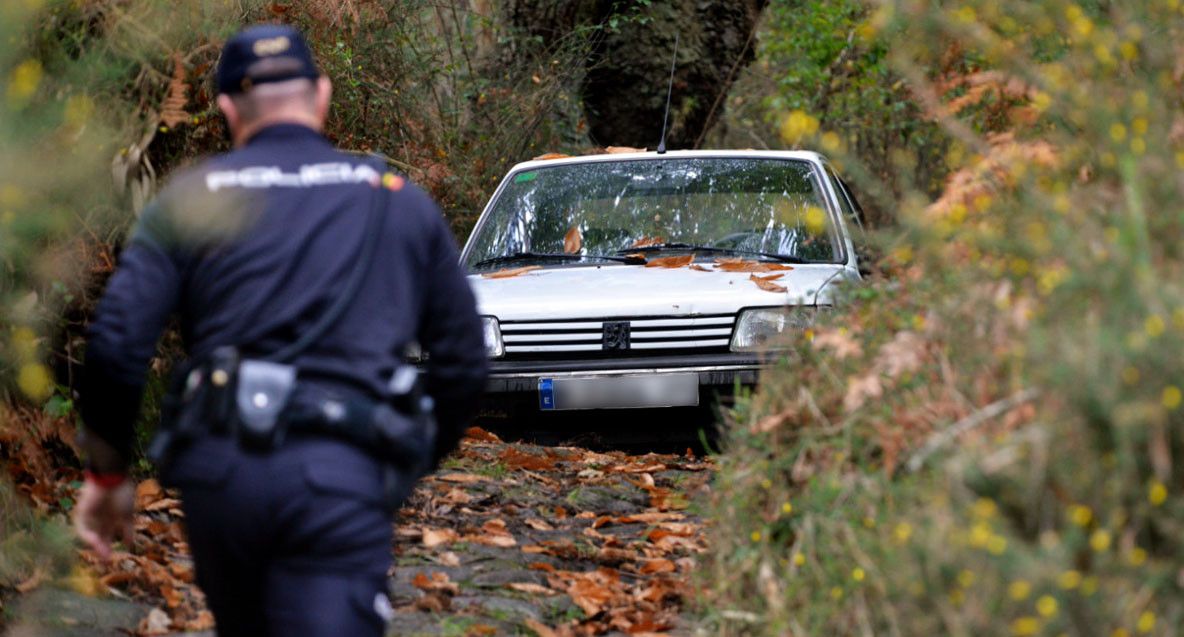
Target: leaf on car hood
pixel 512 272
pixel 671 262
pixel 573 241
pixel 647 241
pixel 766 284
pixel 747 265
pixel 617 150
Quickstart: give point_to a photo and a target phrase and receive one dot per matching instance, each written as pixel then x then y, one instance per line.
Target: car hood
pixel 634 290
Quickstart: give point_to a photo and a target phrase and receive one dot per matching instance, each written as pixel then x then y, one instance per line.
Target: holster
pixel 224 393
pixel 259 403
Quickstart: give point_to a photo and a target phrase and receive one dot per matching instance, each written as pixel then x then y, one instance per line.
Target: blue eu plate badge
pixel 546 394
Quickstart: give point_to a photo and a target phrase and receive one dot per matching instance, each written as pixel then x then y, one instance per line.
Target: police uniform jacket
pixel 251 247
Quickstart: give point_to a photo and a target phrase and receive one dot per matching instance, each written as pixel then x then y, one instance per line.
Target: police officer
pixel 287 485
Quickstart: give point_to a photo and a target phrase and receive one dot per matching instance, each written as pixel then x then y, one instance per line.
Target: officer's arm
pixel 121 339
pixel 450 331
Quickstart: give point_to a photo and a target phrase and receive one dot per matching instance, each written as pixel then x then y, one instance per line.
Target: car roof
pixel 806 155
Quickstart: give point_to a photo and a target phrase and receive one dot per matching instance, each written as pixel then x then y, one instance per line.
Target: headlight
pixel 494 348
pixel 759 329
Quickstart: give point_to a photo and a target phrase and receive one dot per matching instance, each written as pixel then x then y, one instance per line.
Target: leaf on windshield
pixel 699 268
pixel 512 272
pixel 671 262
pixel 747 265
pixel 573 241
pixel 647 241
pixel 640 256
pixel 767 284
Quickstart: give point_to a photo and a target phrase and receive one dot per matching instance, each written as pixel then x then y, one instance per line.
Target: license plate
pixel 619 392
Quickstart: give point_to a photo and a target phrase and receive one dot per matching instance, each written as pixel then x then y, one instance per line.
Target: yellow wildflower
pixel 1025 626
pixel 1046 606
pixel 1080 514
pixel 1171 397
pixel 1157 493
pixel 1146 622
pixel 1099 540
pixel 1137 556
pixel 1069 580
pixel 34 380
pixel 1019 590
pixel 858 574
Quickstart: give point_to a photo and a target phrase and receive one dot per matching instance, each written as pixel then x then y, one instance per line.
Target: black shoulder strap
pixel 352 286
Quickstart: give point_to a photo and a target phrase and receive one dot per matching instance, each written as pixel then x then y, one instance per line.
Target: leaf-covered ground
pixel 505 539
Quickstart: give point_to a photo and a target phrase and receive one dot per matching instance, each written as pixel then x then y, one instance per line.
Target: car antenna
pixel 669 90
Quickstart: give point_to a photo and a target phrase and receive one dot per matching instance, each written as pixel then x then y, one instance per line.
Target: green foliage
pixel 988 442
pixel 29 544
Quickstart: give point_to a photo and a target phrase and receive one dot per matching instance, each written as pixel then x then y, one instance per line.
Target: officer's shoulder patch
pixel 393 182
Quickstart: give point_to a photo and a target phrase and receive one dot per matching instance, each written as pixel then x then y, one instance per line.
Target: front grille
pixel 648 334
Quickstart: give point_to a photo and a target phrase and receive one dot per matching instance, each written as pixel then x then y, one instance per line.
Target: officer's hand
pixel 104 513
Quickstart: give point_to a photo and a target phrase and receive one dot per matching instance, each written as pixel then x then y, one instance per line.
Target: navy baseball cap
pixel 264 53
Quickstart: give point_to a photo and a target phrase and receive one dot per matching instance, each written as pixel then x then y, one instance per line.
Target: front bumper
pixel 714 370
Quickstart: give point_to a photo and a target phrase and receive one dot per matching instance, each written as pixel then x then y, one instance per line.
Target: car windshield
pixel 556 214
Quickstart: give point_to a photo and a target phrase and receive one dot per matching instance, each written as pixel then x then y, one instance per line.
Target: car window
pixel 764 205
pixel 847 203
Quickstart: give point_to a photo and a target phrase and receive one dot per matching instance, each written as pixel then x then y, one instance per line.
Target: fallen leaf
pixel 531 588
pixel 204 621
pixel 671 262
pixel 433 603
pixel 698 268
pixel 172 110
pixel 539 525
pixel 748 265
pixel 498 541
pixel 616 150
pixel 838 340
pixel 162 504
pixel 481 435
pixel 511 272
pixel 860 389
pixel 448 558
pixel 435 537
pixel 462 478
pixel 547 156
pixel 147 492
pixel 765 285
pixel 516 459
pixel 660 565
pixel 573 241
pixel 901 355
pixel 156 623
pixel 539 628
pixel 647 241
pixel 479 630
pixel 436 582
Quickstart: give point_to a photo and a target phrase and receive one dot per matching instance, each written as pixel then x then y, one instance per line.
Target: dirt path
pixel 506 539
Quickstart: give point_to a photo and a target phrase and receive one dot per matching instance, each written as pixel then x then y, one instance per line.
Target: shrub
pixel 987 441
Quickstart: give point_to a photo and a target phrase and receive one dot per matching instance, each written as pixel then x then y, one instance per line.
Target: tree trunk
pixel 625 80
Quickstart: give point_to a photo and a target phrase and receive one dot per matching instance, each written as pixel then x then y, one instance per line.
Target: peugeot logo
pixel 615 336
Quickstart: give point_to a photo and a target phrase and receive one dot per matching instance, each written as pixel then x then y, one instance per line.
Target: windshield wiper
pixel 528 256
pixel 661 247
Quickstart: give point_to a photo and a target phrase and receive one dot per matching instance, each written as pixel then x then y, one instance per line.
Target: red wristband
pixel 105 480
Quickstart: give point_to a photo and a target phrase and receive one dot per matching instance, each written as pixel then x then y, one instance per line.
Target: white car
pixel 648 280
